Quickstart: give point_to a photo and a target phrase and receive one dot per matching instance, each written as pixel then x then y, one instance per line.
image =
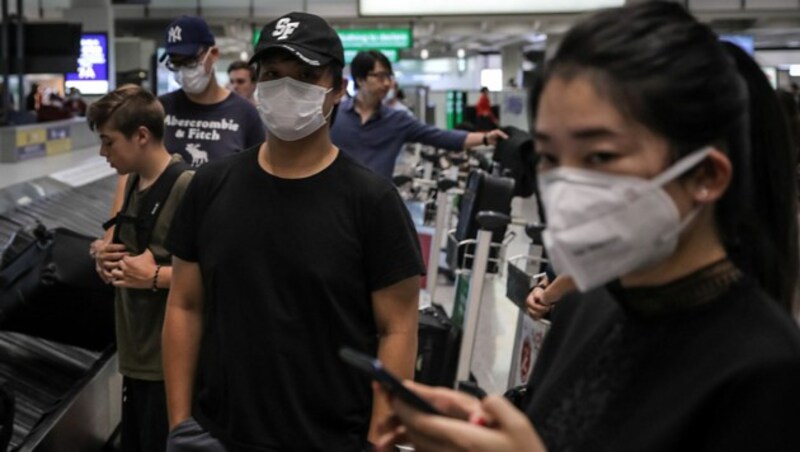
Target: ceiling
pixel 773 23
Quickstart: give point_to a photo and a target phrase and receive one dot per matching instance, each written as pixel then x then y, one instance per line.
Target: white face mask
pixel 603 226
pixel 194 80
pixel 291 110
pixel 390 95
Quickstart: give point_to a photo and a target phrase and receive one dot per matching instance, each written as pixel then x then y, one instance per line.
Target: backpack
pixel 516 156
pixel 145 221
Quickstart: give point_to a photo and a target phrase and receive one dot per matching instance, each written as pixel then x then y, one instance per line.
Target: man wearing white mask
pixel 285 253
pixel 204 120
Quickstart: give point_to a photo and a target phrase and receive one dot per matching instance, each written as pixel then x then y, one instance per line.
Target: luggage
pixel 516 156
pixel 483 192
pixel 51 290
pixel 437 354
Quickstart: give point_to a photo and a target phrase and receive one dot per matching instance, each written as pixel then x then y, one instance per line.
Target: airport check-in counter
pixel 23 142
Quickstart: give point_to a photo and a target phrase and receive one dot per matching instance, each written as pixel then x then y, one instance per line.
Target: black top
pixel 628 370
pixel 205 132
pixel 288 268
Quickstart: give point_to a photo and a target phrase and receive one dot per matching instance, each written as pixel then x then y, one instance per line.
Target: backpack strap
pixel 150 206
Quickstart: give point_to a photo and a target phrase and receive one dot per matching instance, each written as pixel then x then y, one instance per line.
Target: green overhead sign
pixel 383 38
pixel 391 54
pixel 388 41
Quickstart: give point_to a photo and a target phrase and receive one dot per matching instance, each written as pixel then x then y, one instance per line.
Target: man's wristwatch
pixel 486 139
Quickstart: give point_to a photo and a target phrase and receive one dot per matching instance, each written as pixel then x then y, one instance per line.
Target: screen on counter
pixel 91 76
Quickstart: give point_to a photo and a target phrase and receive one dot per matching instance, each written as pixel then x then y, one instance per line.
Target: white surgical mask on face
pixel 194 80
pixel 291 109
pixel 603 226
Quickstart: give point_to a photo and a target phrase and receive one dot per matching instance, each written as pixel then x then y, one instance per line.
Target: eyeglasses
pixel 174 64
pixel 382 76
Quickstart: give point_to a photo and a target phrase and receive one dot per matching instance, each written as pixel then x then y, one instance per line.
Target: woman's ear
pixel 710 180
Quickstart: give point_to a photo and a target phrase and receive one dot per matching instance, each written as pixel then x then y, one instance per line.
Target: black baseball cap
pixel 186 35
pixel 310 38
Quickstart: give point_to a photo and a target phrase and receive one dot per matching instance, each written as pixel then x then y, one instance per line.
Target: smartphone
pixel 374 368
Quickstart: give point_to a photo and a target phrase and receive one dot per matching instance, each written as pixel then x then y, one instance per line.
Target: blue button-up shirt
pixel 377 143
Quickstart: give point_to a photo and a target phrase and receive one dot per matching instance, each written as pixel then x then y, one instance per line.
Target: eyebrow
pixel 581 134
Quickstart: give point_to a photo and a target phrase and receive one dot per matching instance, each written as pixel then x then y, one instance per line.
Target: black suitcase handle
pixel 492 221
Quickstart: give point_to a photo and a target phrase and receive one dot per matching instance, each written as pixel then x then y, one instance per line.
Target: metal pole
pixel 436 243
pixel 20 54
pixel 479 263
pixel 4 56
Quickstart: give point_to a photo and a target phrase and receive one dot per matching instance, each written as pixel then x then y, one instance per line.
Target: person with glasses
pixel 204 120
pixel 243 79
pixel 374 134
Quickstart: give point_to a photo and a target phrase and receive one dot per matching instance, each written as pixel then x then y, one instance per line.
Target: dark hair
pixel 237 65
pixel 126 109
pixel 364 62
pixel 666 70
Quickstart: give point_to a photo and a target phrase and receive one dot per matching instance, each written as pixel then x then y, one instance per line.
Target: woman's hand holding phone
pixel 466 423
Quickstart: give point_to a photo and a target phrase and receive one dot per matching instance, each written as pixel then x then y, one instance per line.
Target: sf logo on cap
pixel 284 28
pixel 175 34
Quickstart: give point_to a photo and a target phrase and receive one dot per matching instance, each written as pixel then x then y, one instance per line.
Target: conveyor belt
pixel 47 377
pixel 43 375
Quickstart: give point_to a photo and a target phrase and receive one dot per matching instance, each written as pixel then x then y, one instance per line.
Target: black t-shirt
pixel 721 376
pixel 288 269
pixel 201 133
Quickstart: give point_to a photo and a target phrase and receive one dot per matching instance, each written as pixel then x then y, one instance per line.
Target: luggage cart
pixel 523 273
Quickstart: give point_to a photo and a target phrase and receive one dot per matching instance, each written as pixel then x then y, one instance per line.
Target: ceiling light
pixel 461 53
pixel 424 54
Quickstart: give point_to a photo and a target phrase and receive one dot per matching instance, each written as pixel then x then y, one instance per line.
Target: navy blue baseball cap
pixel 307 36
pixel 186 35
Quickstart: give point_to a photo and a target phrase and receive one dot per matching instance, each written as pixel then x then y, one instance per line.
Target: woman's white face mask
pixel 292 110
pixel 602 226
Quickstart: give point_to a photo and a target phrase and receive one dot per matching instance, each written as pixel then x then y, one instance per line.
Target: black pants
pixel 144 416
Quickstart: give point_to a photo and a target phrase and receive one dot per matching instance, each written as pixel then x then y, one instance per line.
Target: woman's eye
pixel 547 160
pixel 600 158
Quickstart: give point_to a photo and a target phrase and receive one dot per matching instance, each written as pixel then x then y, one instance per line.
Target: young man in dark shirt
pixel 284 253
pixel 130 124
pixel 203 121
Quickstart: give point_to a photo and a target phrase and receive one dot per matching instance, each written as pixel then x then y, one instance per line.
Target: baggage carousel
pixel 66 393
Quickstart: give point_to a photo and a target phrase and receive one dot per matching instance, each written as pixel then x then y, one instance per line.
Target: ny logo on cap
pixel 284 28
pixel 174 34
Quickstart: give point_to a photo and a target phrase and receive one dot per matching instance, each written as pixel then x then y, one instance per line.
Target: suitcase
pixel 483 192
pixel 438 345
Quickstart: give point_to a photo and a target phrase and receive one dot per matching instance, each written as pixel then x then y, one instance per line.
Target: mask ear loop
pixel 324 116
pixel 681 166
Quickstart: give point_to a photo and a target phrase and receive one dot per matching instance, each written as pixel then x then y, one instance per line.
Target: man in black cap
pixel 283 254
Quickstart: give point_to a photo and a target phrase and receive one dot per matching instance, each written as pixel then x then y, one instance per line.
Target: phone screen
pixel 374 368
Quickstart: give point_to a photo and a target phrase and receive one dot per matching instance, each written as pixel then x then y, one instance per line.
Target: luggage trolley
pixel 523 272
pixel 467 306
